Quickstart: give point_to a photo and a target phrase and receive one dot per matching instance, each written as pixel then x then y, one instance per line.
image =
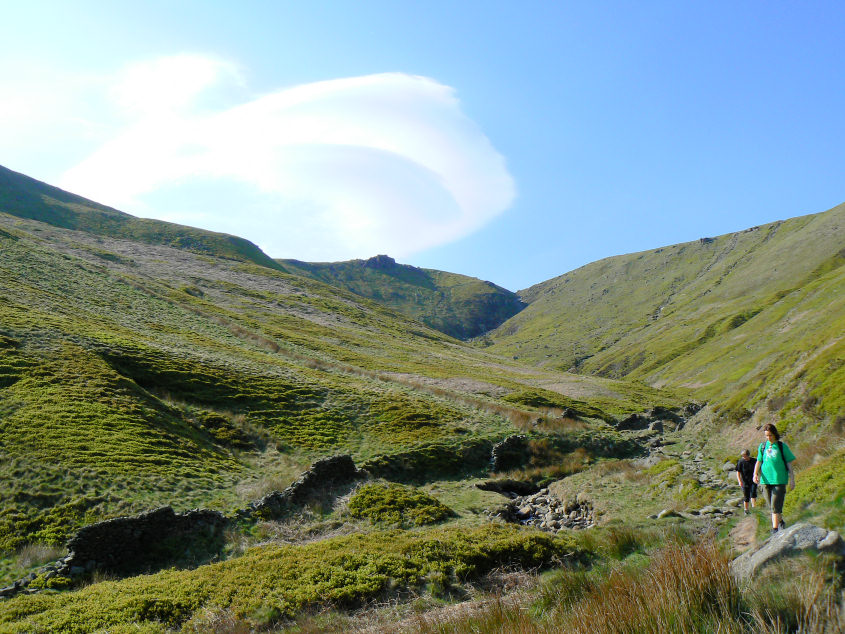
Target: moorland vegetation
pixel 145 364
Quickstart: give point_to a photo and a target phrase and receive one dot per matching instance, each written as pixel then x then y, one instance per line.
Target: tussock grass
pixel 798 596
pixel 684 587
pixel 26 559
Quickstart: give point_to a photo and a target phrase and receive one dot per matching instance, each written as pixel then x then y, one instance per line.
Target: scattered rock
pixel 546 512
pixel 666 513
pixel 729 466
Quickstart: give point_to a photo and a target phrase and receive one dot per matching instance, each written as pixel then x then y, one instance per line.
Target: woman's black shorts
pixel 749 491
pixel 775 493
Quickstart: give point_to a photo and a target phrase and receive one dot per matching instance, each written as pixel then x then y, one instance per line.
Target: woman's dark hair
pixel 770 427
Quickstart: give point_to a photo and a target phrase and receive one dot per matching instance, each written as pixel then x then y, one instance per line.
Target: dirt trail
pixel 744 534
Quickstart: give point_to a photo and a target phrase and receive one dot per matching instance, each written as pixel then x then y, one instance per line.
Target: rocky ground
pixel 544 511
pixel 722 482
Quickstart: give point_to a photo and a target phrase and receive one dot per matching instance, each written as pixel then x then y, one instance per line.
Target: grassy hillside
pixel 137 370
pixel 746 319
pixel 26 197
pixel 134 375
pixel 462 307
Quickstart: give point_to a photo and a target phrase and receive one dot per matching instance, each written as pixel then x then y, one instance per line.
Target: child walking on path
pixel 745 477
pixel 774 470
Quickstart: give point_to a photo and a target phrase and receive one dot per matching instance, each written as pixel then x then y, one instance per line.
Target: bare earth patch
pixel 456 384
pixel 579 388
pixel 744 534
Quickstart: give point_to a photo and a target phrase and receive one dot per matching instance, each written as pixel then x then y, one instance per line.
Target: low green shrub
pixel 392 503
pixel 271 583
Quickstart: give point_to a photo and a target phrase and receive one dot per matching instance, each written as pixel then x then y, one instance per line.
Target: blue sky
pixel 509 141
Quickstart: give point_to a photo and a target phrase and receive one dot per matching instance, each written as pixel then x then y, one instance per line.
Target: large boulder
pixel 633 422
pixel 794 539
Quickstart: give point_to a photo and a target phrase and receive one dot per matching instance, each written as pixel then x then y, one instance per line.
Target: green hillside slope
pixel 745 319
pixel 135 374
pixel 137 371
pixel 461 306
pixel 26 197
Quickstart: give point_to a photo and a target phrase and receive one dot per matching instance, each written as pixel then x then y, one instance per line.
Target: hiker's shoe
pixel 746 511
pixel 782 525
pixel 774 530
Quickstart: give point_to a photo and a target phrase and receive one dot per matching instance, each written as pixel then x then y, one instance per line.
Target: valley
pixel 147 365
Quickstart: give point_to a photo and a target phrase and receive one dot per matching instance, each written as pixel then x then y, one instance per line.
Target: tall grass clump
pixel 804 595
pixel 686 588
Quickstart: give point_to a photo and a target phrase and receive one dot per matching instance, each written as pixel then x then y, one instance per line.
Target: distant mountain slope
pixel 461 306
pixel 746 318
pixel 26 197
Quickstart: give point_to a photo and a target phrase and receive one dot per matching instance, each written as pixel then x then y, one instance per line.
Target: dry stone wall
pixel 322 476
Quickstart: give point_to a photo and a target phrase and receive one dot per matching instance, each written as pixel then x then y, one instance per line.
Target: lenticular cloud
pixel 322 171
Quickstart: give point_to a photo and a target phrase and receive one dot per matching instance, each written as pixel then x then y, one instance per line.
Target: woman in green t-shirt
pixel 774 470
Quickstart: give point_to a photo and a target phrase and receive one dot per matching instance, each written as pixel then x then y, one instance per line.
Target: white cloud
pixel 336 169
